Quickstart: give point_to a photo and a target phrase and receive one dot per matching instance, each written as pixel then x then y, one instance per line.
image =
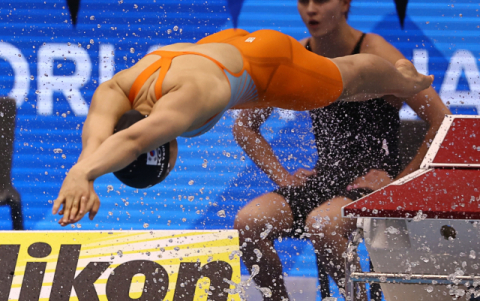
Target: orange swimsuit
pixel 277 72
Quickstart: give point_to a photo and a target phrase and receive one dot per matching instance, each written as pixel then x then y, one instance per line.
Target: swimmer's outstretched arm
pixel 109 103
pixel 367 76
pixel 167 121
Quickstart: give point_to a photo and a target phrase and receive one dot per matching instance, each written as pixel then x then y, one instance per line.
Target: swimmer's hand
pixel 416 82
pixel 374 180
pixel 299 178
pixel 77 197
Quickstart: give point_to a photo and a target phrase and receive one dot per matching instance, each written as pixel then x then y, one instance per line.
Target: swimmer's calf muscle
pixel 367 76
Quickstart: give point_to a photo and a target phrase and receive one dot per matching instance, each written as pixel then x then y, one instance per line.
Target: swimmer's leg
pixel 224 36
pixel 367 76
pixel 255 236
pixel 8 194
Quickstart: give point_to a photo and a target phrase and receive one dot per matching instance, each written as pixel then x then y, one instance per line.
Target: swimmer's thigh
pixel 306 81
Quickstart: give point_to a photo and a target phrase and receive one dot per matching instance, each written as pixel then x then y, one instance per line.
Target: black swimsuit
pixel 351 139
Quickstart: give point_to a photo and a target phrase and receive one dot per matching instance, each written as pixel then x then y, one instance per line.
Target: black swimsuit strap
pixel 356 50
pixel 307 46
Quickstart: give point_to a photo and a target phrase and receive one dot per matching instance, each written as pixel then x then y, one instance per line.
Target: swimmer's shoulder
pixel 376 44
pixel 304 41
pixel 122 81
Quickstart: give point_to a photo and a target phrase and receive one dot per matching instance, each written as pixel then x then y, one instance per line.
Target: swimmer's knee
pixel 242 221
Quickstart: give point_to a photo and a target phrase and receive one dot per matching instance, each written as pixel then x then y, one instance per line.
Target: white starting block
pixel 422 232
pixel 119 265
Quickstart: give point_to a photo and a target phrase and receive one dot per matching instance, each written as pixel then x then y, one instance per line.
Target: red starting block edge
pixel 457 143
pixel 447 186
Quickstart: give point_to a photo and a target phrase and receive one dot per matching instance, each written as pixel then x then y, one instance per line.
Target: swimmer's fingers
pixel 77 206
pixel 94 210
pixel 87 206
pixel 71 207
pixel 83 205
pixel 57 204
pixel 67 206
pixel 304 173
pixel 374 179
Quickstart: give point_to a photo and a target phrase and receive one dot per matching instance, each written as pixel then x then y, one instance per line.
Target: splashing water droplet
pixel 235 252
pixel 258 253
pixel 392 230
pixel 472 254
pixel 267 293
pixel 420 216
pixel 255 270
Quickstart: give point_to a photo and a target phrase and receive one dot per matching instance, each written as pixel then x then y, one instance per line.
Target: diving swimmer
pixel 183 89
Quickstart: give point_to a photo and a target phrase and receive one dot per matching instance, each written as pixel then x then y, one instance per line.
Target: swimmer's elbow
pixel 133 145
pixel 111 84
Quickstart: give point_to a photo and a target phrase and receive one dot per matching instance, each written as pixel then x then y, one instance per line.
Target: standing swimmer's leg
pixel 259 223
pixel 8 194
pixel 367 76
pixel 330 239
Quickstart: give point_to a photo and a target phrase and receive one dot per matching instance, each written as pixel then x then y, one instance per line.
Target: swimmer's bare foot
pixel 415 82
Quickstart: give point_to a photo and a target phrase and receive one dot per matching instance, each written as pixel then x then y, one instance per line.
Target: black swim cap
pixel 148 169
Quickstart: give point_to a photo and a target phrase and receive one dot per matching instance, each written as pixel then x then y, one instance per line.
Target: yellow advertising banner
pixel 119 265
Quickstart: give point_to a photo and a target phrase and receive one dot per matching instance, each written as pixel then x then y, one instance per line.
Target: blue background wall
pixel 42 57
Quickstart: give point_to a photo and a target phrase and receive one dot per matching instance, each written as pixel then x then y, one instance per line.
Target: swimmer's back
pixel 277 63
pixel 184 68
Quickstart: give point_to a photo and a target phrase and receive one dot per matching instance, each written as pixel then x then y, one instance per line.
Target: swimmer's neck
pixel 337 43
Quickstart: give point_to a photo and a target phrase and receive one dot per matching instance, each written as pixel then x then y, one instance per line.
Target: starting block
pixel 120 265
pixel 422 232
